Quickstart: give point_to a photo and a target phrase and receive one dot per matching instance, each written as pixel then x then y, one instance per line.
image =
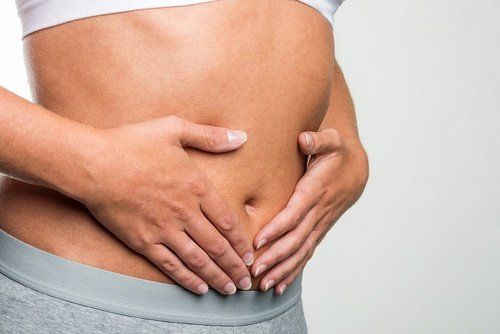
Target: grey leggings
pixel 44 293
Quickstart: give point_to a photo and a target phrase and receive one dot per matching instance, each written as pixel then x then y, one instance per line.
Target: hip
pixel 41 290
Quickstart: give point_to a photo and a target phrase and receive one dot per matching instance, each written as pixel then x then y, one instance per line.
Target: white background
pixel 420 252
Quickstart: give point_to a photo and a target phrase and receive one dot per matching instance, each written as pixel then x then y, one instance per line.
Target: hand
pixel 335 178
pixel 147 191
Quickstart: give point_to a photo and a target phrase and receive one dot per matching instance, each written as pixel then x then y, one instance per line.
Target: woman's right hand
pixel 147 191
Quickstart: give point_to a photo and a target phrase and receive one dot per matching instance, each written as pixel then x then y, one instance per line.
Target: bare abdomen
pixel 260 66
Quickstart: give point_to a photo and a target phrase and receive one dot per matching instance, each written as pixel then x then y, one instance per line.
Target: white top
pixel 39 14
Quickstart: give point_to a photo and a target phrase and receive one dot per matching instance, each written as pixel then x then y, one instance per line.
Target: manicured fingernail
pixel 248 258
pixel 230 288
pixel 260 269
pixel 308 139
pixel 245 283
pixel 282 289
pixel 269 284
pixel 202 288
pixel 261 243
pixel 235 137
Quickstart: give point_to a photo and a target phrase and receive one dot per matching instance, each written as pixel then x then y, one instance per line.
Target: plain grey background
pixel 420 252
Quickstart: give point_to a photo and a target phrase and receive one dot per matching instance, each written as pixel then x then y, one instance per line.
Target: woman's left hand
pixel 336 175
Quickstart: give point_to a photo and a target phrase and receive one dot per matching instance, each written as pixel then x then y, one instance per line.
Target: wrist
pixel 77 178
pixel 359 160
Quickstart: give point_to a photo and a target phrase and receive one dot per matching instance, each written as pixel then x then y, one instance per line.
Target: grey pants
pixel 44 293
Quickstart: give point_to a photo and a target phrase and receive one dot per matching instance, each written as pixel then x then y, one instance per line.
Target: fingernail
pixel 245 283
pixel 308 139
pixel 269 284
pixel 248 258
pixel 260 269
pixel 230 288
pixel 235 137
pixel 282 289
pixel 202 288
pixel 261 243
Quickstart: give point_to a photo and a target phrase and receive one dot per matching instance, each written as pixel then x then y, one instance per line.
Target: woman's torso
pixel 260 66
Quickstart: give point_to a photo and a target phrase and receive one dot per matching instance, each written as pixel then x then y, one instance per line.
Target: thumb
pixel 321 142
pixel 210 138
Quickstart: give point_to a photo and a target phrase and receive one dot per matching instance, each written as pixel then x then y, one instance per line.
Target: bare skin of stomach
pixel 263 67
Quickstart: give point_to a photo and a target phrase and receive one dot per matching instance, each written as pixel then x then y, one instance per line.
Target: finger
pixel 219 249
pixel 170 264
pixel 324 141
pixel 311 243
pixel 208 138
pixel 293 264
pixel 302 201
pixel 282 270
pixel 289 244
pixel 283 284
pixel 198 261
pixel 226 222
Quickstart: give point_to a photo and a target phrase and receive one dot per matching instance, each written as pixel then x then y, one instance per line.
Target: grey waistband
pixel 130 296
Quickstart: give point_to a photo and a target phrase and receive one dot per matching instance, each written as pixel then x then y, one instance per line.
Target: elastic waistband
pixel 135 297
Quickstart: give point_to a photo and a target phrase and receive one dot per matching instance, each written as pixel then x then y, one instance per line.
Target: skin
pixel 335 179
pixel 141 178
pixel 145 152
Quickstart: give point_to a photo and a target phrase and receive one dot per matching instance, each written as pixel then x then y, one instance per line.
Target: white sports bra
pixel 39 14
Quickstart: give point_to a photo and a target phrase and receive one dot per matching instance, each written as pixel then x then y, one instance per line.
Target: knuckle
pixel 309 244
pixel 235 268
pixel 302 254
pixel 188 281
pixel 294 216
pixel 214 277
pixel 218 248
pixel 211 137
pixel 333 135
pixel 226 221
pixel 180 211
pixel 331 132
pixel 240 244
pixel 280 254
pixel 174 120
pixel 177 125
pixel 140 242
pixel 303 238
pixel 217 278
pixel 294 249
pixel 337 139
pixel 169 265
pixel 197 185
pixel 296 240
pixel 197 261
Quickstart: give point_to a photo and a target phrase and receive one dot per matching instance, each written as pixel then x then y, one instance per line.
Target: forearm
pixel 40 147
pixel 341 113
